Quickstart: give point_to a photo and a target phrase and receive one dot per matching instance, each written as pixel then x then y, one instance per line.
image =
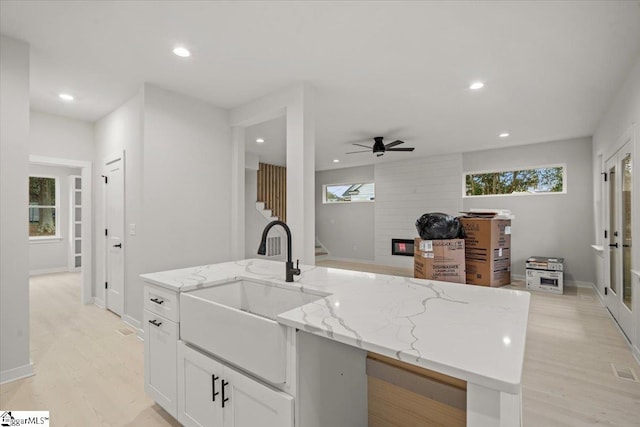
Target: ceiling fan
pixel 379 148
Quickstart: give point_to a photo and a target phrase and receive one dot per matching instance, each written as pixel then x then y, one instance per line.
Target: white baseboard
pixel 636 353
pixel 98 302
pixel 48 271
pixel 361 261
pixel 135 324
pixel 16 373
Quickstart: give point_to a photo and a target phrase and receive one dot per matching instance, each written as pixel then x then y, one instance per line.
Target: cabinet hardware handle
pixel 224 399
pixel 157 301
pixel 615 245
pixel 213 386
pixel 626 246
pixel 155 322
pixel 119 245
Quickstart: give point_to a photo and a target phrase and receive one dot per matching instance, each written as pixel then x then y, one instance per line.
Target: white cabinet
pixel 160 356
pixel 213 394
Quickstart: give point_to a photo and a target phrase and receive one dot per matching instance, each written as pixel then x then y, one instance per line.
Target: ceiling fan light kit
pixel 379 147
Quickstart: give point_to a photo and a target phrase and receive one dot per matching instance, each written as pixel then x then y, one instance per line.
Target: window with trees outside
pixel 537 180
pixel 348 193
pixel 43 207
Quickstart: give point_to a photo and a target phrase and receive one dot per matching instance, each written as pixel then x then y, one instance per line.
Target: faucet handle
pixel 296 271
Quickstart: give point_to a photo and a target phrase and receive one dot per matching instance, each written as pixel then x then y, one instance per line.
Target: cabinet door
pixel 199 388
pixel 160 339
pixel 253 404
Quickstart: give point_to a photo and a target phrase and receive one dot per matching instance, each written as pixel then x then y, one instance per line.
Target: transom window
pixel 43 207
pixel 348 193
pixel 534 180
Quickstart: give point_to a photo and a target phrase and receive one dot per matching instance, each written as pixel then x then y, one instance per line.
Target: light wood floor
pixel 87 374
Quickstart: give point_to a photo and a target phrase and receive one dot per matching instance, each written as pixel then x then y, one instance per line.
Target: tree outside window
pixel 42 207
pixel 540 180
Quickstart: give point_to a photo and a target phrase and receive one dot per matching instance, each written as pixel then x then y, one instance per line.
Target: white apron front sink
pixel 236 321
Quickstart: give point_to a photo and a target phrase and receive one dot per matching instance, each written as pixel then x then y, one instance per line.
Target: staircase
pixel 321 251
pixel 274 244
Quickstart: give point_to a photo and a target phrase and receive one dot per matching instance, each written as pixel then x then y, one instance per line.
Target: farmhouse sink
pixel 236 321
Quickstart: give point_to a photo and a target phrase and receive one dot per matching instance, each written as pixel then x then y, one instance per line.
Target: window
pixel 536 180
pixel 43 207
pixel 348 193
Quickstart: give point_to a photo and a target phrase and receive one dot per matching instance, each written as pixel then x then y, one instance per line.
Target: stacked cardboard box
pixel 439 260
pixel 488 251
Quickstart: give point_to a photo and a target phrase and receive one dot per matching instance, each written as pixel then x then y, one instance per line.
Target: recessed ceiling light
pixel 336 161
pixel 65 97
pixel 182 52
pixel 476 85
pixel 504 134
pixel 260 140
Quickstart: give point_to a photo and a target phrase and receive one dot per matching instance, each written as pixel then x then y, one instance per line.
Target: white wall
pixel 47 256
pixel 545 225
pixel 14 246
pixel 407 189
pixel 61 137
pixel 346 230
pixel 622 115
pixel 187 192
pixel 120 131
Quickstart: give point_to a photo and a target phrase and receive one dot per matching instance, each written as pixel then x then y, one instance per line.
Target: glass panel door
pixel 626 185
pixel 613 245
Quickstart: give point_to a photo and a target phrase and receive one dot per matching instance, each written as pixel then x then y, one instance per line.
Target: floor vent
pixel 625 373
pixel 124 331
pixel 587 298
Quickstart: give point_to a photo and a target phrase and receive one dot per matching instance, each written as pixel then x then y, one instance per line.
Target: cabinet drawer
pixel 162 301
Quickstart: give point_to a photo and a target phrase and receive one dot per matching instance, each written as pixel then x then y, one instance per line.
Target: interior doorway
pixel 86 238
pixel 618 236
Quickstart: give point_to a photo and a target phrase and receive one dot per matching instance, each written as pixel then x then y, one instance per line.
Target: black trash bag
pixel 437 225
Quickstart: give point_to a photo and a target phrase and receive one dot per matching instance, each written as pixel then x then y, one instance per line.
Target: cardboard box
pixel 488 251
pixel 439 260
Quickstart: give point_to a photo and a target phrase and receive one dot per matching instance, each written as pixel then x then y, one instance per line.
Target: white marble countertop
pixel 469 332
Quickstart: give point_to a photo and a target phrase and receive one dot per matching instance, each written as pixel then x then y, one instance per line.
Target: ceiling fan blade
pixel 394 143
pixel 401 149
pixel 361 145
pixel 363 151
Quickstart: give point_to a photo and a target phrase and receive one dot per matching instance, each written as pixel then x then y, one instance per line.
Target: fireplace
pixel 402 247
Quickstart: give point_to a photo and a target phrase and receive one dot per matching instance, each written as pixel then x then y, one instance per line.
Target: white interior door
pixel 114 220
pixel 618 237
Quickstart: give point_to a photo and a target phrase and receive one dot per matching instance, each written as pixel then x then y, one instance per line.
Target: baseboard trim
pixel 98 302
pixel 16 373
pixel 135 324
pixel 361 261
pixel 636 353
pixel 48 271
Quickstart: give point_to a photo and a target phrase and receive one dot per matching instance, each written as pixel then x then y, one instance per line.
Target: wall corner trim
pixel 16 373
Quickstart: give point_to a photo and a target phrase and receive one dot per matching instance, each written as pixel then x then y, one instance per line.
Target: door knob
pixel 119 245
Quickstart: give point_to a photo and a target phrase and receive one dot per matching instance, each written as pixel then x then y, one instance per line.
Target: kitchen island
pixel 470 333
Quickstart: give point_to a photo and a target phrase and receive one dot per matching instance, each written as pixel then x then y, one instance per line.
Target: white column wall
pixel 14 244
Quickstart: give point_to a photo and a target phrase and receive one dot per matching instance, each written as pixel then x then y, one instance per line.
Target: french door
pixel 618 196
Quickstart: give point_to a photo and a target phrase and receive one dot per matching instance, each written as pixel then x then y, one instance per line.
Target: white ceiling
pixel 395 69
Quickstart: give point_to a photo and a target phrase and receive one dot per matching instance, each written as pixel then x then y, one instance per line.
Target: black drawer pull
pixel 224 399
pixel 155 322
pixel 156 300
pixel 214 378
pixel 615 245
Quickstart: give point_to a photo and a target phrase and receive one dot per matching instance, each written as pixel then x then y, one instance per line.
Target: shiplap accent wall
pixel 407 189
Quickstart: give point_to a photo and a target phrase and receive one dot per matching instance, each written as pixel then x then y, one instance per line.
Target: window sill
pixel 42 240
